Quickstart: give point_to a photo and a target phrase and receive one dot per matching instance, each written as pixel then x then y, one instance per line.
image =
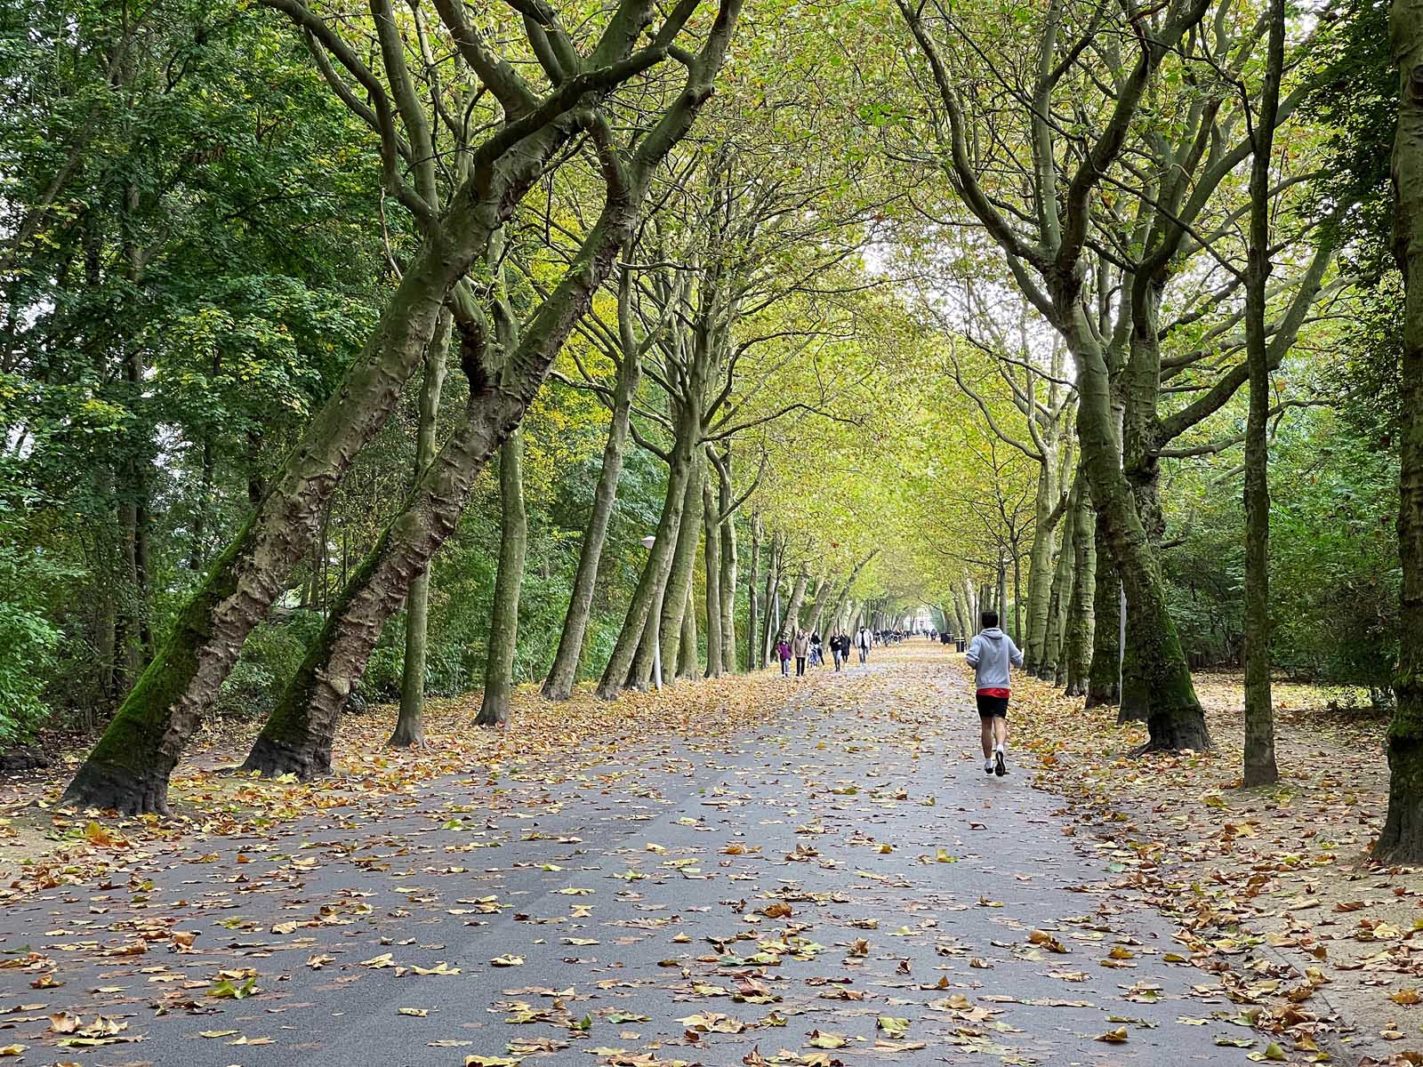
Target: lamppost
pixel 647 543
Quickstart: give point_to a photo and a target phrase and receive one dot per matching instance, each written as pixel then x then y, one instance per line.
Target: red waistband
pixel 1004 693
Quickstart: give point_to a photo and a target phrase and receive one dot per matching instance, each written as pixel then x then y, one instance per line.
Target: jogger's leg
pixel 988 730
pixel 1000 731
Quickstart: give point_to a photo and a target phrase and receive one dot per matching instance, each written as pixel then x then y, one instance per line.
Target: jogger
pixel 991 654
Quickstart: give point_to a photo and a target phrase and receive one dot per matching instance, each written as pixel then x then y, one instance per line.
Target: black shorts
pixel 991 707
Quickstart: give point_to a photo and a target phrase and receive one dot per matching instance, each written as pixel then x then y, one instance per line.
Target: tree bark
pixel 1401 840
pixel 727 586
pixel 1259 756
pixel 687 664
pixel 1052 644
pixel 1155 658
pixel 508 584
pixel 654 575
pixel 561 676
pixel 409 723
pixel 1104 674
pixel 791 623
pixel 754 660
pixel 684 558
pixel 1078 640
pixel 129 767
pixel 1041 573
pixel 712 562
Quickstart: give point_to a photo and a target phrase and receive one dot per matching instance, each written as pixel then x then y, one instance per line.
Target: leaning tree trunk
pixel 409 723
pixel 299 734
pixel 712 562
pixel 129 767
pixel 1105 671
pixel 508 584
pixel 1077 655
pixel 1154 657
pixel 1401 840
pixel 563 673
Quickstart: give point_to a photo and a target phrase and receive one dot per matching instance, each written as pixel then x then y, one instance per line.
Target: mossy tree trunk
pixel 1154 659
pixel 754 659
pixel 791 623
pixel 1401 840
pixel 130 766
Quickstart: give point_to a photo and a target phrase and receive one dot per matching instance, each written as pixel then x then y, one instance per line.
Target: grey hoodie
pixel 989 655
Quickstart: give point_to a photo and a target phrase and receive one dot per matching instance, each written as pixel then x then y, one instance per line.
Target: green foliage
pixel 27 645
pixel 1334 566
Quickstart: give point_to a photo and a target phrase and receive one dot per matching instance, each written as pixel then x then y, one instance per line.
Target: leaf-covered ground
pixel 1275 886
pixel 753 871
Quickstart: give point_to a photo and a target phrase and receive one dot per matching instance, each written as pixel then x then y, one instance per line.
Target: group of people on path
pixel 808 648
pixel 992 654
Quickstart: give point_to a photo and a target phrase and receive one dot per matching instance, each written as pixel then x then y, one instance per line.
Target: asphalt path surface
pixel 842 885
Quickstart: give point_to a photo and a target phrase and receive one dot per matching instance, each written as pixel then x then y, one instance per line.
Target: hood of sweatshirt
pixel 993 633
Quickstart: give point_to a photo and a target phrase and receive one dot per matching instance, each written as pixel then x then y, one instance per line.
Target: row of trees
pixel 951 307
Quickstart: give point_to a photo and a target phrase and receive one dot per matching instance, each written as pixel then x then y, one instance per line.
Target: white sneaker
pixel 988 765
pixel 1000 767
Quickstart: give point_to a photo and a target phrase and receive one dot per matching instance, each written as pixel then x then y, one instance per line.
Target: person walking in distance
pixel 863 641
pixel 783 653
pixel 840 649
pixel 801 645
pixel 991 655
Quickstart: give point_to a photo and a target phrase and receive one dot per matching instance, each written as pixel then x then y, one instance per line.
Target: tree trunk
pixel 754 660
pixel 1154 658
pixel 1078 638
pixel 1041 573
pixel 299 734
pixel 654 575
pixel 791 623
pixel 129 767
pixel 508 584
pixel 1104 674
pixel 1259 756
pixel 684 563
pixel 712 562
pixel 688 666
pixel 563 673
pixel 1401 840
pixel 409 723
pixel 1050 656
pixel 773 580
pixel 727 585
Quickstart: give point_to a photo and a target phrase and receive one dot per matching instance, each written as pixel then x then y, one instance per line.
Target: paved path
pixel 846 863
